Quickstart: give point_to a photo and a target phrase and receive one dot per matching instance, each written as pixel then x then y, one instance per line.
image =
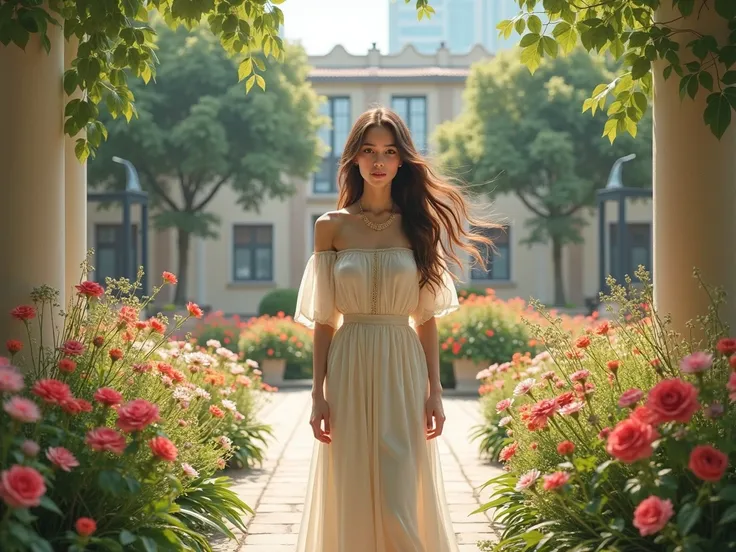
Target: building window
pixel 109 252
pixel 334 137
pixel 413 110
pixel 498 257
pixel 252 253
pixel 639 237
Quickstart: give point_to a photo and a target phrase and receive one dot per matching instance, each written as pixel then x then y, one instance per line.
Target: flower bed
pixel 112 435
pixel 621 438
pixel 276 337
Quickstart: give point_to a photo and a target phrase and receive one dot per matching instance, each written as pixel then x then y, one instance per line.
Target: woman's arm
pixel 435 414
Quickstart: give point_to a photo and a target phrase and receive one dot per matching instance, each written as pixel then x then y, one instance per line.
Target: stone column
pixel 694 191
pixel 75 193
pixel 31 174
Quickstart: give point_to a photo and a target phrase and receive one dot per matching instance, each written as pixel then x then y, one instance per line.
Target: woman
pixel 371 291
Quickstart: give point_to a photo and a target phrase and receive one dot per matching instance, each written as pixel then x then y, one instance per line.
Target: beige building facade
pixel 258 252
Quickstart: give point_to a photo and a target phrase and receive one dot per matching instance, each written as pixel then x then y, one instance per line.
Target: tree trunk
pixel 182 240
pixel 560 300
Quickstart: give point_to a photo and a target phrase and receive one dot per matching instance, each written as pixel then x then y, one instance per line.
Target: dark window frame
pixel 116 247
pixel 330 161
pixel 502 249
pixel 409 119
pixel 632 229
pixel 251 247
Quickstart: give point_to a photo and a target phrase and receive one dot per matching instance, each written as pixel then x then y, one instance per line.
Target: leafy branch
pixel 116 40
pixel 629 31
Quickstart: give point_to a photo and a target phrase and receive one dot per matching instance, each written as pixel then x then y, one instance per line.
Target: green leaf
pixel 126 537
pixel 505 28
pixel 686 7
pixel 728 516
pixel 534 24
pixel 249 83
pixel 260 82
pixel 109 481
pixel 729 77
pixel 640 101
pixel 245 68
pixel 728 493
pixel 566 35
pixel 550 46
pixel 531 58
pixel 688 517
pixel 529 40
pixel 640 68
pixel 706 80
pixel 520 26
pixel 50 505
pixel 726 8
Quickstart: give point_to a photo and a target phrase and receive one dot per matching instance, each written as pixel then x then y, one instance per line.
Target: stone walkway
pixel 276 491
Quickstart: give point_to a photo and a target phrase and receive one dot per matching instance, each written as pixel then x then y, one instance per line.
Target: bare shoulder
pixel 326 228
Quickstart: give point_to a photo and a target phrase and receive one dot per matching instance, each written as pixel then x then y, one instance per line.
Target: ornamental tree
pixel 198 132
pixel 631 32
pixel 522 134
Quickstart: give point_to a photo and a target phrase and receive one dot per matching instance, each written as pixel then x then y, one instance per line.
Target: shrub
pixel 277 337
pixel 215 326
pixel 278 301
pixel 623 437
pixel 111 434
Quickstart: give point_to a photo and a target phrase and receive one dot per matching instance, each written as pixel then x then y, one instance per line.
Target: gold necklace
pixel 376 226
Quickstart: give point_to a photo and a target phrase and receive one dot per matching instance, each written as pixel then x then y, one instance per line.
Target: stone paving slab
pixel 277 489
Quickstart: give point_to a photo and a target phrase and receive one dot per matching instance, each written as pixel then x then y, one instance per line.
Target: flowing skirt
pixel 377 487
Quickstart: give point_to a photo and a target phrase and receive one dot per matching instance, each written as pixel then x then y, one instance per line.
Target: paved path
pixel 276 491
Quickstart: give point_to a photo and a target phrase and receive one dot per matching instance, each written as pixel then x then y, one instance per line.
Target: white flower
pixel 227 354
pixel 572 408
pixel 167 381
pixel 524 387
pixel 202 393
pixel 213 343
pixel 224 442
pixel 225 391
pixel 181 393
pixel 229 405
pixel 527 480
pixel 251 363
pixel 236 369
pixel 189 470
pixel 506 420
pixel 198 358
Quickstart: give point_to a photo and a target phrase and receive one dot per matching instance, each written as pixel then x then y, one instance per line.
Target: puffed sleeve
pixel 316 299
pixel 436 302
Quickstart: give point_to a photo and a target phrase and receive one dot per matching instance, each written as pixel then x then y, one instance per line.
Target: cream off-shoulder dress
pixel 378 486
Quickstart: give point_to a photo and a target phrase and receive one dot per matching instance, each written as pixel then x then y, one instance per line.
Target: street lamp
pixel 133 194
pixel 616 191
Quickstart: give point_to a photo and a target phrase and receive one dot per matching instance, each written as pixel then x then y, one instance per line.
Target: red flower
pixel 631 440
pixel 542 411
pixel 727 346
pixel 456 347
pixel 85 526
pixel 90 289
pixel 732 361
pixel 98 341
pixel 583 342
pixel 137 415
pixel 108 397
pixel 603 328
pixel 52 391
pixel 644 415
pixel 115 354
pixel 566 448
pixel 565 398
pixel 652 514
pixel 105 438
pixel 23 313
pixel 163 449
pixel 630 397
pixel 555 481
pixel 156 325
pixel 169 278
pixel 490 333
pixel 72 348
pixel 62 458
pixel 673 400
pixel 194 310
pixel 613 365
pixel 21 487
pixel 216 411
pixel 708 463
pixel 13 346
pixel 67 365
pixel 508 452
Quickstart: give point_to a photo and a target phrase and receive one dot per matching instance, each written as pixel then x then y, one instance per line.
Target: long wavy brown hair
pixel 433 209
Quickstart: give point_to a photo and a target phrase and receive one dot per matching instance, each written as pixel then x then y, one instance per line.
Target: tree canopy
pixel 198 132
pixel 522 134
pixel 635 35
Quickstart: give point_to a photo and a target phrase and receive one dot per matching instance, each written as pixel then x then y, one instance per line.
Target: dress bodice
pixel 369 281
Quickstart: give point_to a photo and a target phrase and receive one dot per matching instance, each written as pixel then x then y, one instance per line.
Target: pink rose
pixel 108 397
pixel 137 415
pixel 163 449
pixel 631 440
pixel 21 487
pixel 696 363
pixel 673 400
pixel 30 448
pixel 90 289
pixel 555 481
pixel 52 391
pixel 22 410
pixel 62 458
pixel 708 463
pixel 630 397
pixel 11 381
pixel 105 438
pixel 72 348
pixel 652 514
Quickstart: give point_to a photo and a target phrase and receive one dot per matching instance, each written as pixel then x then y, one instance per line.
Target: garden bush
pixel 622 438
pixel 278 301
pixel 216 326
pixel 276 337
pixel 112 435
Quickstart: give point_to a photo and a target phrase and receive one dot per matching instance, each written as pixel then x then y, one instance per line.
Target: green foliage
pixel 279 300
pixel 198 133
pixel 639 33
pixel 276 337
pixel 117 40
pixel 522 134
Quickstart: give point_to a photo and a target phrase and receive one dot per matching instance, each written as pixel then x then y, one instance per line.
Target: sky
pixel 321 24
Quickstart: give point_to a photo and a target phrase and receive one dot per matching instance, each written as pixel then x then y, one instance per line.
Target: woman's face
pixel 378 158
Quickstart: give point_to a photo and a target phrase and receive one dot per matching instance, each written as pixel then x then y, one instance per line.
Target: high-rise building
pixel 459 24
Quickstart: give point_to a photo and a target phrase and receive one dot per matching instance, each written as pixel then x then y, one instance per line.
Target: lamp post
pixel 616 191
pixel 133 194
